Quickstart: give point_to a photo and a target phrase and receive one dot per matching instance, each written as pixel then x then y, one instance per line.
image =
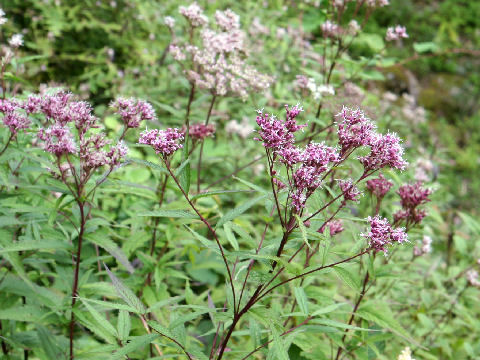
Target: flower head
pixel 16 40
pixel 194 14
pixel 472 278
pixel 396 33
pixel 385 150
pixel 425 248
pixel 58 140
pixel 133 111
pixel 335 227
pixel 200 131
pixel 379 187
pixel 382 234
pixel 350 190
pixel 3 19
pixel 406 354
pixel 164 142
pixel 354 129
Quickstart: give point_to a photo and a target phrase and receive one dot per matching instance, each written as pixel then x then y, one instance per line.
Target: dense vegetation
pixel 233 180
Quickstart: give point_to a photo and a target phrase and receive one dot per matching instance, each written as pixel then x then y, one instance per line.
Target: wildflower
pixel 472 278
pixel 350 190
pixel 385 150
pixel 194 14
pixel 425 248
pixel 379 3
pixel 133 111
pixel 227 20
pixel 335 227
pixel 242 129
pixel 200 131
pixel 379 186
pixel 164 142
pixel 16 40
pixel 169 21
pixel 396 33
pixel 116 154
pixel 413 195
pixel 329 29
pixel 280 185
pixel 58 140
pixel 290 155
pixel 382 234
pixel 274 133
pixel 15 121
pixel 406 354
pixel 354 130
pixel 353 27
pixel 3 19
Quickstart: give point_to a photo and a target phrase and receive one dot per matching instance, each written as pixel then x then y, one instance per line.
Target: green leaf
pixel 123 324
pixel 302 300
pixel 303 230
pixel 113 250
pixel 217 192
pixel 50 348
pixel 348 277
pixel 381 314
pixel 328 309
pixel 278 350
pixel 424 47
pixel 27 245
pixel 134 344
pixel 232 214
pixel 170 213
pixel 100 319
pixel 230 235
pixel 125 293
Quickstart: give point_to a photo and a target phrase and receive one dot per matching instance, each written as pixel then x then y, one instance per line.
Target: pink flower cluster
pixel 133 111
pixel 199 131
pixel 379 187
pixel 58 140
pixel 13 118
pixel 425 248
pixel 61 108
pixel 382 234
pixel 310 163
pixel 164 142
pixel 329 29
pixel 356 130
pixel 350 190
pixel 219 63
pixel 411 197
pixel 396 33
pixel 335 227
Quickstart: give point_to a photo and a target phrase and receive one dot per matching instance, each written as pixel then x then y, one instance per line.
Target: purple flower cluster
pixel 335 227
pixel 133 111
pixel 164 142
pixel 379 187
pixel 411 197
pixel 199 131
pixel 356 130
pixel 306 165
pixel 396 33
pixel 58 140
pixel 382 234
pixel 276 134
pixel 349 190
pixel 13 118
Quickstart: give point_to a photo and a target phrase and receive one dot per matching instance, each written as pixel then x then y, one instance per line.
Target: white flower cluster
pixel 406 354
pixel 317 90
pixel 425 248
pixel 219 63
pixel 243 129
pixel 472 278
pixel 3 19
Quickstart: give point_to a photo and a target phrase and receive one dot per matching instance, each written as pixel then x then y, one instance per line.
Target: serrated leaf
pixel 303 230
pixel 113 250
pixel 302 300
pixel 232 214
pixel 100 319
pixel 230 235
pixel 124 325
pixel 170 213
pixel 347 277
pixel 125 293
pixel 27 245
pixel 134 344
pixel 328 309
